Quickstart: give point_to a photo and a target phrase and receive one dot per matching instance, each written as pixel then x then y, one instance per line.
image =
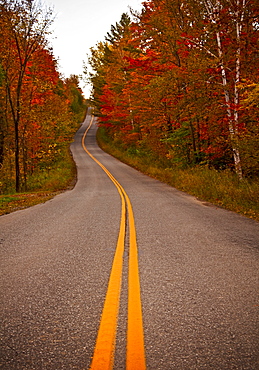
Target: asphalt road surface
pixel 198 269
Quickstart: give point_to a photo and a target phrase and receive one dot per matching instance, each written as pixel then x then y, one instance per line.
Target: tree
pixel 177 80
pixel 108 61
pixel 218 12
pixel 39 111
pixel 25 27
pixel 217 34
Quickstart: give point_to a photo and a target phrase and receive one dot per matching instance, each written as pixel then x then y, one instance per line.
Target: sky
pixel 80 25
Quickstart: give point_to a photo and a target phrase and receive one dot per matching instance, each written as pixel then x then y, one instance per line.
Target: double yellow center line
pixel 103 357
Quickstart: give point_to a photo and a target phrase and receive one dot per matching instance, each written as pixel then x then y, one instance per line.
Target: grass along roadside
pixel 42 186
pixel 15 202
pixel 222 189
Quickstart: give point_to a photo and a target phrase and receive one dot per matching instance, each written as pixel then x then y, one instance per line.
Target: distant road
pixel 198 267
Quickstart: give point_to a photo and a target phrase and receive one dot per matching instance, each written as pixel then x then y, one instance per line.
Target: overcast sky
pixel 81 24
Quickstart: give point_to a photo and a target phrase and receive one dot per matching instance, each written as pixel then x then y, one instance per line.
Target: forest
pixel 175 88
pixel 39 110
pixel 179 81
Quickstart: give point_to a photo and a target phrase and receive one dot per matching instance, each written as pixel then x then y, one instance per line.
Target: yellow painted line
pixel 135 359
pixel 105 344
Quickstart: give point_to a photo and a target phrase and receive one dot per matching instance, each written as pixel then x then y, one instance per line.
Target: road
pixel 198 267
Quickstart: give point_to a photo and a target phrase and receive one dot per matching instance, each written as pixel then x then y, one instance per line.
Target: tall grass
pixel 61 174
pixel 220 188
pixel 56 176
pixel 43 185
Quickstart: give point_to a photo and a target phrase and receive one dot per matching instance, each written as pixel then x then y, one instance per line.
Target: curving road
pixel 198 269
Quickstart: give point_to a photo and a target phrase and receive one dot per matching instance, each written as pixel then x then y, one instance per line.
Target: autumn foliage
pixel 38 110
pixel 181 80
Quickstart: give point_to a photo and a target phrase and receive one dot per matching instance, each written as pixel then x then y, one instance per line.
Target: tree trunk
pixel 17 156
pixel 232 119
pixel 213 11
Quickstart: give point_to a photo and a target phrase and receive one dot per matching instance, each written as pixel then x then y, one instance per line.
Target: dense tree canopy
pixel 38 110
pixel 181 80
